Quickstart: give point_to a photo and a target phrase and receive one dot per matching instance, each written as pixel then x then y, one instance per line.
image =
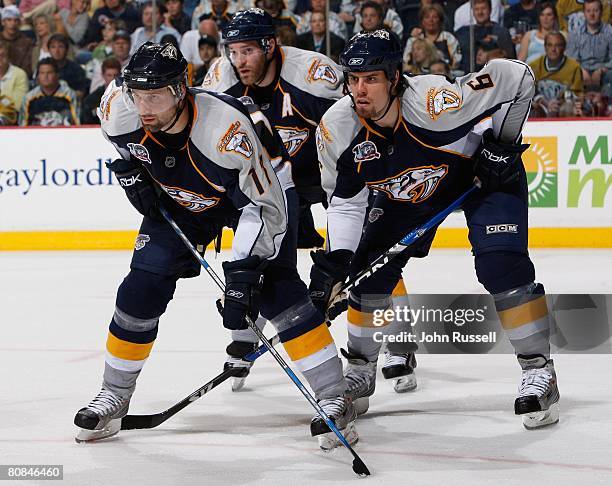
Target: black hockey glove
pixel 326 277
pixel 138 187
pixel 243 282
pixel 497 164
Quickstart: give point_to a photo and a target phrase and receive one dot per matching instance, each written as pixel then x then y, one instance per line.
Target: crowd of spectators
pixel 57 56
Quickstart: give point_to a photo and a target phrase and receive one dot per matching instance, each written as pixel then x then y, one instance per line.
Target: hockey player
pixel 293 88
pixel 420 141
pixel 203 158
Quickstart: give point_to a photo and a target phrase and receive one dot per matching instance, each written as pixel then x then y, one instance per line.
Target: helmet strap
pixel 265 46
pixel 180 107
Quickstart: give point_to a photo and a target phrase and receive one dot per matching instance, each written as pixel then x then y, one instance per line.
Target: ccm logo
pixel 356 61
pixel 502 228
pixel 494 158
pixel 235 294
pixel 130 181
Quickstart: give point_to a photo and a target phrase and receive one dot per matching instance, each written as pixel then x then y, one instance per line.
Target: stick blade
pixel 360 468
pixel 131 422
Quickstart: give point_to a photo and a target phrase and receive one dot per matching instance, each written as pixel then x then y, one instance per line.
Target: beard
pixel 254 76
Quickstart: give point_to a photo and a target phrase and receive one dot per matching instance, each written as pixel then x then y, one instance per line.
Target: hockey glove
pixel 497 164
pixel 243 282
pixel 138 187
pixel 326 278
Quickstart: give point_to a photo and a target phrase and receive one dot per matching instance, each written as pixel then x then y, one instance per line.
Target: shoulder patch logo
pixel 414 185
pixel 365 151
pixel 170 52
pixel 192 201
pixel 319 71
pixel 105 103
pixel 441 100
pixel 322 135
pixel 236 141
pixel 141 241
pixel 213 75
pixel 140 152
pixel 293 138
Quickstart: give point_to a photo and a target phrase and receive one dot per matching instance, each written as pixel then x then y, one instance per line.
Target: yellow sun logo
pixel 541 165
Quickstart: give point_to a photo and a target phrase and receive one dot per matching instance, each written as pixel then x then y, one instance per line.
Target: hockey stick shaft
pixel 358 465
pixel 131 422
pixel 406 241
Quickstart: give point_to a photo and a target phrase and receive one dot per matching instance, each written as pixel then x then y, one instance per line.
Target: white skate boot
pixel 538 395
pixel 360 375
pixel 342 412
pixel 236 351
pixel 400 369
pixel 102 417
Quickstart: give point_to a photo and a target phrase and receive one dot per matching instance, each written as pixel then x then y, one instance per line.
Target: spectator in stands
pixel 522 16
pixel 111 68
pixel 205 9
pixel 390 19
pixel 594 104
pixel 556 74
pixel 52 103
pixel 220 12
pixel 208 52
pixel 13 87
pixel 285 36
pixel 336 24
pixel 75 20
pixel 487 33
pixel 190 41
pixel 43 28
pixel 105 48
pixel 315 40
pixel 532 44
pixel 145 33
pixel 121 52
pixel 68 70
pixel 571 14
pixel 431 24
pixel 591 46
pixel 112 10
pixel 175 17
pixel 20 45
pixel 462 14
pixel 369 18
pixel 31 8
pixel 440 67
pixel 423 53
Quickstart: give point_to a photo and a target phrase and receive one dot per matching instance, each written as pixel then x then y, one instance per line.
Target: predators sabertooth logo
pixel 195 203
pixel 321 72
pixel 441 100
pixel 293 138
pixel 236 141
pixel 414 185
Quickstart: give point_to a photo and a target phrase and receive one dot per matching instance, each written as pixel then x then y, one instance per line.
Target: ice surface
pixel 457 428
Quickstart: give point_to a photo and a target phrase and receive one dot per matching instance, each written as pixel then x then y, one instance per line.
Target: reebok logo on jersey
pixel 501 228
pixel 322 72
pixel 140 152
pixel 195 203
pixel 236 141
pixel 365 151
pixel 414 185
pixel 141 241
pixel 293 138
pixel 441 100
pixel 129 181
pixel 493 157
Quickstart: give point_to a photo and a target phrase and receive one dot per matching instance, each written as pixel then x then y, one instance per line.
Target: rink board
pixel 56 193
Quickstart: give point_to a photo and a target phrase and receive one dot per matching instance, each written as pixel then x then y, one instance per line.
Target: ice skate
pixel 538 395
pixel 235 361
pixel 102 417
pixel 342 412
pixel 400 369
pixel 360 377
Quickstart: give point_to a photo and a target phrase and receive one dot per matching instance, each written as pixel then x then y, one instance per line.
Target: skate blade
pixel 535 420
pixel 361 405
pixel 238 384
pixel 109 430
pixel 403 384
pixel 330 441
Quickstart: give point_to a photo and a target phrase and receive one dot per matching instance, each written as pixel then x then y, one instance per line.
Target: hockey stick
pixel 130 422
pixel 359 466
pixel 406 241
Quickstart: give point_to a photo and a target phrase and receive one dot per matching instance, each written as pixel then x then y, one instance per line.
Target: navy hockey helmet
pixel 379 50
pixel 156 66
pixel 252 24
